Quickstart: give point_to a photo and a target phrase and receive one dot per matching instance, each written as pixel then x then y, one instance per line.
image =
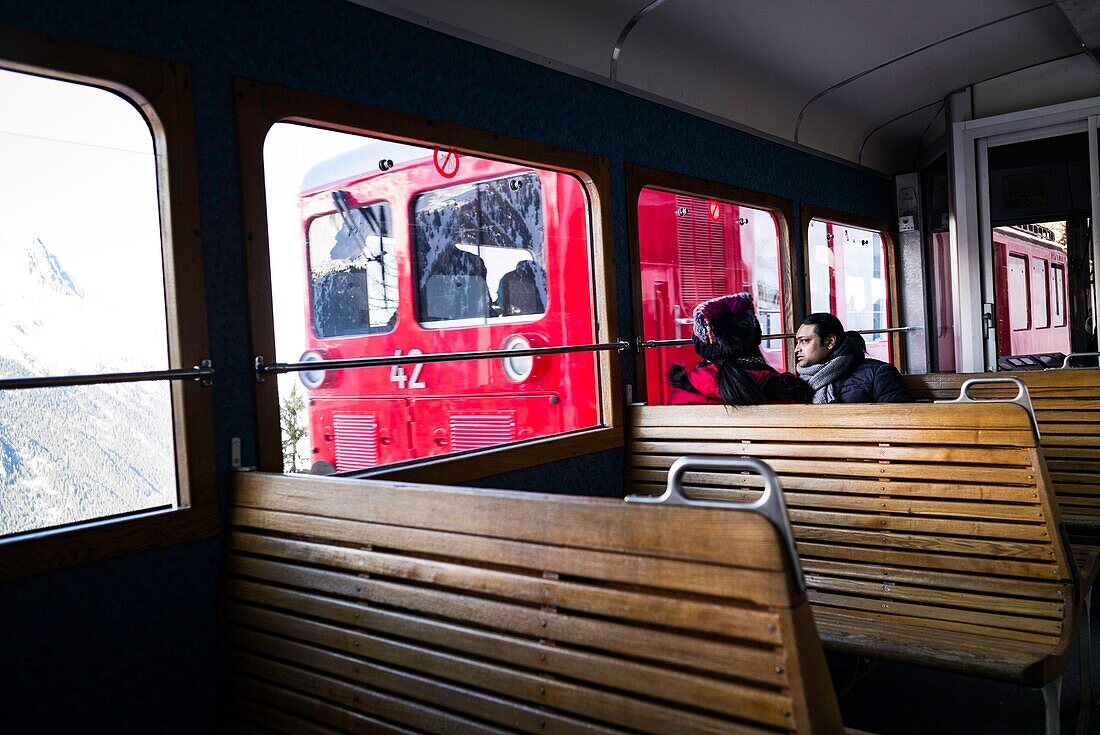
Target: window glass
pixel 352 269
pixel 1019 308
pixel 81 292
pixel 943 313
pixel 692 249
pixel 1040 304
pixel 1058 295
pixel 1029 290
pixel 848 278
pixel 480 251
pixel 381 249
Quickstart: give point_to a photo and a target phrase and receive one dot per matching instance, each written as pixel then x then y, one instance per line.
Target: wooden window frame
pixel 811 212
pixel 162 92
pixel 640 177
pixel 260 106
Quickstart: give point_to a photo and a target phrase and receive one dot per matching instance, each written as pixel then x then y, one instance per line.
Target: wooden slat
pixel 903 417
pixel 601 635
pixel 893 591
pixel 578 700
pixel 468 699
pixel 881 504
pixel 303 688
pixel 953 491
pixel 627 675
pixel 995 566
pixel 895 574
pixel 588 523
pixel 740 622
pixel 752 585
pixel 647 456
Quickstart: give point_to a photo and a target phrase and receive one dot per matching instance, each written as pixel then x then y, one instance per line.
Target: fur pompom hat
pixel 726 328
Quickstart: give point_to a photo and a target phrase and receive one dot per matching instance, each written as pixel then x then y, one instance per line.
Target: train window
pixel 64 305
pixel 424 250
pixel 1058 295
pixel 847 277
pixel 1040 294
pixel 480 252
pixel 695 246
pixel 1030 289
pixel 1019 308
pixel 353 271
pixel 943 315
pixel 98 446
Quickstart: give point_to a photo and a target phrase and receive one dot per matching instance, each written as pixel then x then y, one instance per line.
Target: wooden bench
pixel 928 533
pixel 1067 407
pixel 368 606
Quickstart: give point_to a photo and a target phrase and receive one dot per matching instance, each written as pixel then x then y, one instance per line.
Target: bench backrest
pixel 1067 407
pixel 352 603
pixel 937 515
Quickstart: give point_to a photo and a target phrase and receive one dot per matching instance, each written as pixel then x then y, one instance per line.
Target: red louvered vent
pixel 356 438
pixel 704 273
pixel 473 431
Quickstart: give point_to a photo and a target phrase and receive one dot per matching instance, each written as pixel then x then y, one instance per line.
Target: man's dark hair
pixel 826 325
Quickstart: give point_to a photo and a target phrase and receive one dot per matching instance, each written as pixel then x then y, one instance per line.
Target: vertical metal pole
pixel 1052 699
pixel 985 257
pixel 1094 221
pixel 965 246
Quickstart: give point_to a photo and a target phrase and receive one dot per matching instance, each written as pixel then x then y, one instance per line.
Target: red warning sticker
pixel 715 211
pixel 446 162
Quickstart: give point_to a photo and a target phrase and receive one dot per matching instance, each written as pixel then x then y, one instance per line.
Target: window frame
pixel 1030 321
pixel 810 212
pixel 309 270
pixel 1060 293
pixel 260 105
pixel 639 177
pixel 161 91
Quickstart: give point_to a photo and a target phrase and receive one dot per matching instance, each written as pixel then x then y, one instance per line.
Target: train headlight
pixel 518 369
pixel 312 378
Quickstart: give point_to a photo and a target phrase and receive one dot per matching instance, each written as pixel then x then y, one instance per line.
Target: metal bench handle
pixel 770 504
pixel 1022 398
pixel 1070 356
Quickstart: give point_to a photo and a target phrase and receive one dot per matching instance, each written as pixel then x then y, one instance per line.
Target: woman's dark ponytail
pixel 736 387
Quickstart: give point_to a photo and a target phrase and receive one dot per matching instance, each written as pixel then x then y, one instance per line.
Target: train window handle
pixel 770 504
pixel 1022 397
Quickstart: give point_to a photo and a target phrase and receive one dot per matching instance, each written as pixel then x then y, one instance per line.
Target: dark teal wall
pixel 129 645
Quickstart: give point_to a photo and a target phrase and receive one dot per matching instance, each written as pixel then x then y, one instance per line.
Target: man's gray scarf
pixel 821 377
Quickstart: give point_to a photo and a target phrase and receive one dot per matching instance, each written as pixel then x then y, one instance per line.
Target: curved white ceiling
pixel 757 64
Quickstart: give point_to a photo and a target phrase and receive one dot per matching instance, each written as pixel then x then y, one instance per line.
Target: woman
pixel 727 335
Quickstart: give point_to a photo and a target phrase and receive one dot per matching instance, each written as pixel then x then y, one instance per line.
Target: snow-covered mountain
pixel 71 454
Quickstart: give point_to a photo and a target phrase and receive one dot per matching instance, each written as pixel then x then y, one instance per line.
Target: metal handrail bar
pixel 1070 356
pixel 651 343
pixel 1022 398
pixel 203 372
pixel 263 369
pixel 770 504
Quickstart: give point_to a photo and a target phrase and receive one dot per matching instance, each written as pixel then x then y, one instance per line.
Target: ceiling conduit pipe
pixel 615 52
pixel 849 80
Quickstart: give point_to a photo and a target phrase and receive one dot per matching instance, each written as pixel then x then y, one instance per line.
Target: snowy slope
pixel 70 454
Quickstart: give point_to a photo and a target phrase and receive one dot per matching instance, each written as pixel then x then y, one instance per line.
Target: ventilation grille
pixel 473 431
pixel 702 251
pixel 356 441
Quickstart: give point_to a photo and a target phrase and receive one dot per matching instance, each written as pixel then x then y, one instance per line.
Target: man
pixel 835 365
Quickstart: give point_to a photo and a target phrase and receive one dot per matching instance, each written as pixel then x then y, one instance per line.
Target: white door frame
pixel 971 235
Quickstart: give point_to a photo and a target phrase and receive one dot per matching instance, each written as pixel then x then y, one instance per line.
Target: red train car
pixel 413 259
pixel 1031 285
pixel 693 249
